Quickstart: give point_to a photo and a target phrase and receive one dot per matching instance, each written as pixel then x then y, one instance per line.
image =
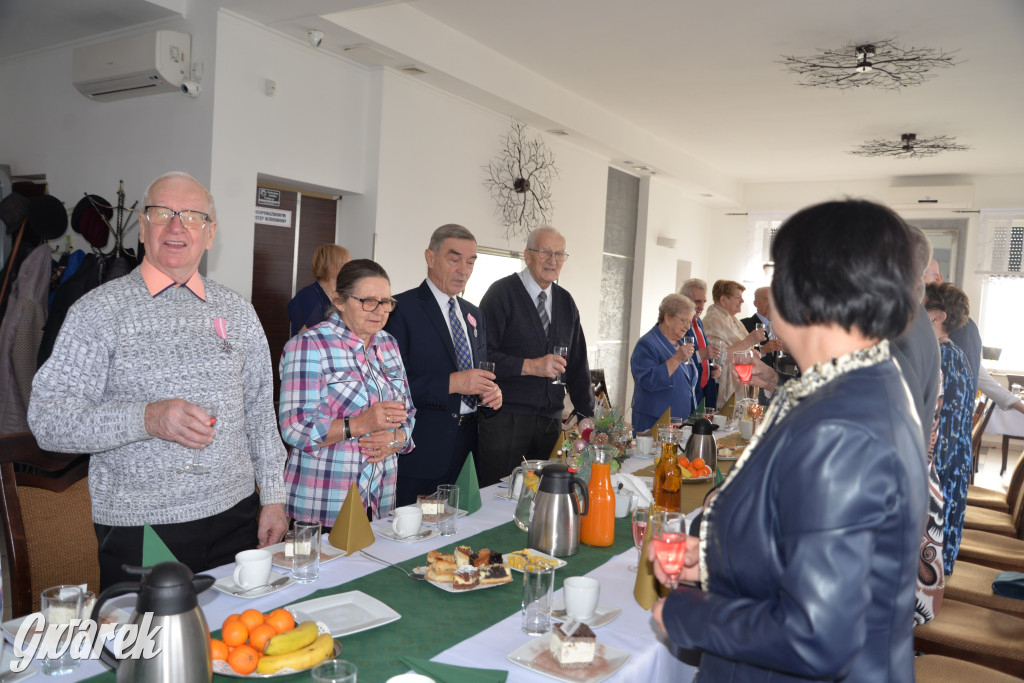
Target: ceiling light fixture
pixel 315 37
pixel 882 64
pixel 909 147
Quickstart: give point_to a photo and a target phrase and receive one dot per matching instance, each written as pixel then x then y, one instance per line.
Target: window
pixel 491 265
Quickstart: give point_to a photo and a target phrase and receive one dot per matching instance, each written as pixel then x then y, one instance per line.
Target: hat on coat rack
pixel 47 216
pixel 13 210
pixel 90 219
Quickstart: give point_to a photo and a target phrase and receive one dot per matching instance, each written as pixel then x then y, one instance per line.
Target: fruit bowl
pixel 222 668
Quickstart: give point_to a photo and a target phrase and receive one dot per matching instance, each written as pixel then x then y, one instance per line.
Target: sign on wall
pixel 268 197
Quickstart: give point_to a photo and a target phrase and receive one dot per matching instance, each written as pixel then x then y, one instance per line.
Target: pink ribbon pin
pixel 472 321
pixel 221 326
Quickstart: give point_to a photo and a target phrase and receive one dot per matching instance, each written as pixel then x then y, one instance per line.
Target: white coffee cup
pixel 622 503
pixel 252 568
pixel 581 594
pixel 644 444
pixel 407 521
pixel 410 678
pixel 746 428
pixel 720 420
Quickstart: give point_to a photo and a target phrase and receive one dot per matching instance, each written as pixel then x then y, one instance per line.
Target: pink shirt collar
pixel 158 281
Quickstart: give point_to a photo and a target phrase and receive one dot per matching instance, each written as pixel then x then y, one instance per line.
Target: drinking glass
pixel 538 583
pixel 640 517
pixel 335 671
pixel 59 606
pixel 669 541
pixel 486 366
pixel 306 551
pixel 447 495
pixel 194 467
pixel 744 363
pixel 562 351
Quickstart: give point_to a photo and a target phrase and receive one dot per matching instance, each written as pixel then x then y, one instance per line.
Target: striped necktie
pixel 542 310
pixel 462 353
pixel 701 343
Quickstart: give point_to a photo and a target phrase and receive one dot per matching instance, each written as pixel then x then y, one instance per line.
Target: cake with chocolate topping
pixel 491 574
pixel 576 651
pixel 465 578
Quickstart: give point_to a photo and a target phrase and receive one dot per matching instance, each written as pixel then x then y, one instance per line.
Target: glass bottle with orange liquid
pixel 597 527
pixel 668 476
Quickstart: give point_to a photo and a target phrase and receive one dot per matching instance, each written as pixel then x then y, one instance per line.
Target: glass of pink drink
pixel 669 541
pixel 640 517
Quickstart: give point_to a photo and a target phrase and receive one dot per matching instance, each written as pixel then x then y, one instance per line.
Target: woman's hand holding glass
pixel 381 415
pixel 691 568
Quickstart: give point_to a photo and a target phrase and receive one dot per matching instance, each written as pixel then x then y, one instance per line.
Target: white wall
pixel 433 151
pixel 49 128
pixel 313 131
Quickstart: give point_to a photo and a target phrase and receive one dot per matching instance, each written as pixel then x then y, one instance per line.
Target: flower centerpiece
pixel 606 428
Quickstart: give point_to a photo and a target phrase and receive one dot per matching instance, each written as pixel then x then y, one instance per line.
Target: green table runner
pixel 434 620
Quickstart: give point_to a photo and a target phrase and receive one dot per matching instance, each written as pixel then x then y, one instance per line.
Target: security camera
pixel 190 88
pixel 315 37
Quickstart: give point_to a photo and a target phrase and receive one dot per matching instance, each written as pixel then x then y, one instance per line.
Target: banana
pixel 290 641
pixel 321 649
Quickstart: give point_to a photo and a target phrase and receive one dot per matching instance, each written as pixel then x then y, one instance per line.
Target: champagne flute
pixel 194 467
pixel 486 366
pixel 640 517
pixel 396 394
pixel 669 541
pixel 760 326
pixel 562 351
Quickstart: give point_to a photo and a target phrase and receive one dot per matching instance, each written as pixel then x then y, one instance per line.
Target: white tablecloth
pixel 652 660
pixel 1008 422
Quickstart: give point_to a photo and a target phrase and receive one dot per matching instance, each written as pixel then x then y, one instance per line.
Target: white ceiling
pixel 701 78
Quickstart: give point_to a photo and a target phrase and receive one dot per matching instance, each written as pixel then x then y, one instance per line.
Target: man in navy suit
pixel 442 340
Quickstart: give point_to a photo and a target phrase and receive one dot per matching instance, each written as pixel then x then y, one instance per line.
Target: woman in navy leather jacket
pixel 807 556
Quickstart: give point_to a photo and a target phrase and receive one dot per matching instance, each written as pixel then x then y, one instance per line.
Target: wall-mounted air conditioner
pixel 146 64
pixel 937 197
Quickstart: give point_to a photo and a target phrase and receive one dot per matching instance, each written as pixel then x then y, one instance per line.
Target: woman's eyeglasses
pixel 370 305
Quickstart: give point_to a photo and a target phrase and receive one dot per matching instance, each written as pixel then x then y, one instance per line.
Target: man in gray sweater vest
pixel 136 361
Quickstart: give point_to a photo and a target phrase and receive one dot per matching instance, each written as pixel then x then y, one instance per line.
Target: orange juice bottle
pixel 597 527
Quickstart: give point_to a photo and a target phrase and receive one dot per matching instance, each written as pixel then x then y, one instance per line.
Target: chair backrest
pixel 47 520
pixel 978 431
pixel 600 388
pixel 1014 379
pixel 1015 494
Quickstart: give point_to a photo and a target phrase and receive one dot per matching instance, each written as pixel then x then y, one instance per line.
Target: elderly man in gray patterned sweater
pixel 136 361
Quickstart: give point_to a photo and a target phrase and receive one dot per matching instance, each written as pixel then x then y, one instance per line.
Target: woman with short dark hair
pixel 948 308
pixel 663 376
pixel 807 556
pixel 345 410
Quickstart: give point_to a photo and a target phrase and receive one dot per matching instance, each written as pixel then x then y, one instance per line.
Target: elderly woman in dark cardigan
pixel 807 557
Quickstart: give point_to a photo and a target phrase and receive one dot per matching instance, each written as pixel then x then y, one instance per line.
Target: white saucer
pixel 228 586
pixel 603 614
pixel 389 533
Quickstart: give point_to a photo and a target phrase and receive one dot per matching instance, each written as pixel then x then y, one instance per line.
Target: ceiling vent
pixel 369 55
pixel 413 70
pixel 925 198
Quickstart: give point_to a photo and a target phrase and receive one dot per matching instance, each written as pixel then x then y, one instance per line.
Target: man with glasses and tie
pixel 139 364
pixel 528 317
pixel 442 339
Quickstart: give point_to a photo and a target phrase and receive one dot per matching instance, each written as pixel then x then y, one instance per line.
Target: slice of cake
pixel 462 555
pixel 441 571
pixel 484 557
pixel 465 578
pixel 431 507
pixel 576 651
pixel 494 573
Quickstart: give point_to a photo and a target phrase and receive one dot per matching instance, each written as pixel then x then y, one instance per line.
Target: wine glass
pixel 194 467
pixel 640 517
pixel 394 393
pixel 486 366
pixel 562 351
pixel 669 541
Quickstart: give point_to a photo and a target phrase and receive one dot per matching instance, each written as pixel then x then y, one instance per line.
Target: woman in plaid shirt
pixel 345 409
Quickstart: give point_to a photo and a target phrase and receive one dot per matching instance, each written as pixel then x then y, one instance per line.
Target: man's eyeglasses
pixel 191 219
pixel 370 305
pixel 545 254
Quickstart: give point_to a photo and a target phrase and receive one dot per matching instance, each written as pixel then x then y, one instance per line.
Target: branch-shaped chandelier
pixel 909 147
pixel 882 64
pixel 520 181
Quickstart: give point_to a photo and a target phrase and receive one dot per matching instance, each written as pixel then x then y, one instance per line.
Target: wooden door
pixel 276 266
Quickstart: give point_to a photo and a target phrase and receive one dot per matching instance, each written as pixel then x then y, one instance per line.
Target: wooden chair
pixel 939 669
pixel 978 431
pixel 995 499
pixel 998 521
pixel 996 550
pixel 975 634
pixel 1011 379
pixel 47 520
pixel 972 583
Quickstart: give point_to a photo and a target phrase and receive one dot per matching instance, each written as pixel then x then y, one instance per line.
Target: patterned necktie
pixel 542 310
pixel 462 353
pixel 701 343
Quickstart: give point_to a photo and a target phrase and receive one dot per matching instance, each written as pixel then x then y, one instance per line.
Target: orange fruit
pixel 259 636
pixel 706 472
pixel 684 461
pixel 232 617
pixel 234 633
pixel 252 618
pixel 281 619
pixel 698 463
pixel 243 659
pixel 218 650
